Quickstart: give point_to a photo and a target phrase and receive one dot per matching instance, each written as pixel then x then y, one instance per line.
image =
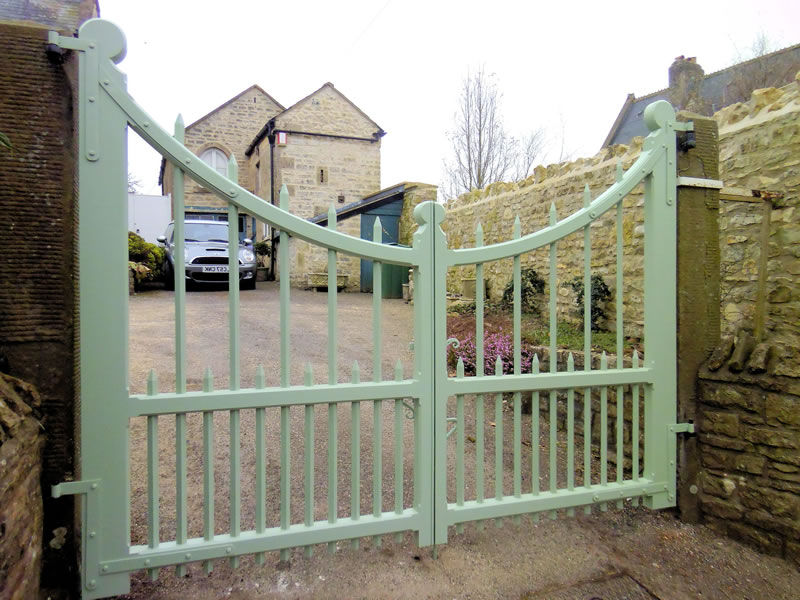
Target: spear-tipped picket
pixel 179 281
pixel 535 435
pixel 460 443
pixel 587 196
pixel 619 173
pixel 333 378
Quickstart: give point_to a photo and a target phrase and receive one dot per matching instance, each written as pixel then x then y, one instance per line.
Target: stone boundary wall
pixel 760 241
pixel 496 207
pixel 21 513
pixel 748 431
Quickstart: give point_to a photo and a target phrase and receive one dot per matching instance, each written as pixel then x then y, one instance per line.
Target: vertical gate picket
pixel 208 469
pixel 587 347
pixel 308 489
pixel 152 474
pixel 480 419
pixel 398 449
pixel 285 366
pixel 333 378
pixel 619 333
pixel 261 465
pixel 377 406
pixel 552 414
pixel 178 212
pixel 517 233
pixel 355 455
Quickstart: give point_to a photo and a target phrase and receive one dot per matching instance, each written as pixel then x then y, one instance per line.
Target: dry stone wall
pixel 760 241
pixel 21 515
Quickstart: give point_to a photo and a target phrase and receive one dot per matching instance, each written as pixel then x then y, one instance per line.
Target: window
pixel 216 159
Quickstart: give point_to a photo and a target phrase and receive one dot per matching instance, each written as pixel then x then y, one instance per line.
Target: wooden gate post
pixel 698 287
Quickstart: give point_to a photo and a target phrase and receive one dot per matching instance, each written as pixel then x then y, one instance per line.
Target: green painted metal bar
pixel 140 557
pixel 517 441
pixel 603 429
pixel 333 378
pixel 309 459
pixel 355 455
pixel 208 468
pixel 619 301
pixel 660 306
pixel 285 282
pixel 333 369
pixel 233 282
pixel 535 430
pixel 492 508
pixel 234 449
pixel 153 537
pixel 648 159
pixel 570 433
pixel 178 214
pixel 460 435
pixel 377 348
pixel 553 360
pixel 498 437
pixel 635 426
pixel 285 366
pixel 587 346
pixel 181 508
pixel 261 466
pixel 286 479
pixel 398 449
pixel 480 291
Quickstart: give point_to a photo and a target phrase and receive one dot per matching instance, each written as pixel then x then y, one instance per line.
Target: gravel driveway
pixel 667 558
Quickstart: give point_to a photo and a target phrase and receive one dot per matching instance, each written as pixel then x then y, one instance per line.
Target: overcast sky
pixel 563 66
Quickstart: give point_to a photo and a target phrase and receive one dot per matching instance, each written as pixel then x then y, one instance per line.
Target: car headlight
pixel 247 255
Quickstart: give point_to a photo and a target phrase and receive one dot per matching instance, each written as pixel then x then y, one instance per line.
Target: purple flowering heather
pixel 494 345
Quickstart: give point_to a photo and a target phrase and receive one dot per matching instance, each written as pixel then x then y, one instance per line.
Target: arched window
pixel 216 159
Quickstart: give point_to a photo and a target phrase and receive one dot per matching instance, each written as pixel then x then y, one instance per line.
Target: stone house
pixel 324 148
pixel 691 89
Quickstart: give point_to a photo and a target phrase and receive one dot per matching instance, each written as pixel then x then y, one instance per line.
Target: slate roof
pixel 630 123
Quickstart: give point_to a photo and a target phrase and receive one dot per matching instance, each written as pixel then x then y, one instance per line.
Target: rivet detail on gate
pixel 666 487
pixel 92 534
pixel 91 98
pixel 147 562
pixel 672 497
pixel 106 82
pixel 94 485
pixel 669 201
pixel 105 568
pixel 228 550
pixel 593 214
pixel 92 153
pixel 188 160
pixel 188 555
pixel 92 45
pixel 91 585
pixel 146 123
pixel 232 193
pixel 596 497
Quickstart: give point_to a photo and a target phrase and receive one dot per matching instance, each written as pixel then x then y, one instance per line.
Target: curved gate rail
pixel 106 111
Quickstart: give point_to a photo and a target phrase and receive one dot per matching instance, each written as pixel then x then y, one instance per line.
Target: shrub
pixel 150 255
pixel 494 344
pixel 531 289
pixel 600 293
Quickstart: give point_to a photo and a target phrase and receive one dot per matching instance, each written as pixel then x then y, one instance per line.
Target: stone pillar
pixel 698 292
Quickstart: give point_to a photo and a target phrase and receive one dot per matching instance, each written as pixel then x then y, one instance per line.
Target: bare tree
pixel 771 70
pixel 483 151
pixel 134 183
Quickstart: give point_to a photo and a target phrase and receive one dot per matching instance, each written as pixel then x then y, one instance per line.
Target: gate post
pixel 698 288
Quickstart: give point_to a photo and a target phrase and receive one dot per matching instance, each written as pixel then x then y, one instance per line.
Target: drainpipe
pixel 271 138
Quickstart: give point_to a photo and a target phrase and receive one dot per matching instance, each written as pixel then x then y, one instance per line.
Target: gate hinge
pixel 69 488
pixel 682 428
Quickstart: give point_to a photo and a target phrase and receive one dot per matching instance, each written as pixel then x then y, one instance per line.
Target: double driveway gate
pixel 434 483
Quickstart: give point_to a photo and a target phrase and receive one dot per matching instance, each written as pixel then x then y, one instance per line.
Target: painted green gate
pixel 428 400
